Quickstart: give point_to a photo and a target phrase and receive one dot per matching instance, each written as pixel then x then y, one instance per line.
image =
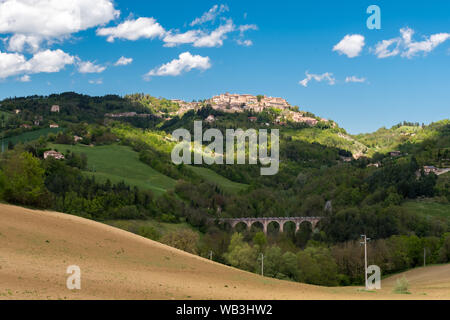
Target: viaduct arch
pixel 266 221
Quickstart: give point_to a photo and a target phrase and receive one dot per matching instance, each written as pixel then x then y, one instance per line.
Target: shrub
pixel 149 232
pixel 185 240
pixel 402 286
pixel 127 212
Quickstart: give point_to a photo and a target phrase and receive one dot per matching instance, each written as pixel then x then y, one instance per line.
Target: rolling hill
pixel 120 163
pixel 213 177
pixel 38 246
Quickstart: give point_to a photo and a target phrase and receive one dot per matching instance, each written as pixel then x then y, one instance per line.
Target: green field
pixel 121 163
pixel 31 135
pixel 428 207
pixel 213 177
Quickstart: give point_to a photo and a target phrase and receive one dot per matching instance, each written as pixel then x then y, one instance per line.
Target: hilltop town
pixel 236 103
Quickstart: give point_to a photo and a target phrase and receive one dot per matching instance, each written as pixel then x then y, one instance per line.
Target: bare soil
pixel 36 247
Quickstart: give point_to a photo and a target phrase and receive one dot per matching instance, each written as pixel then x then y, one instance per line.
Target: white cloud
pixel 89 67
pixel 406 46
pixel 245 43
pixel 47 61
pixel 123 61
pixel 382 49
pixel 425 46
pixel 147 28
pixel 246 27
pixel 216 37
pixel 172 40
pixel 25 78
pixel 200 38
pixel 18 42
pixel 11 64
pixel 210 15
pixel 242 29
pixel 50 61
pixel 33 21
pixel 97 81
pixel 185 63
pixel 350 45
pixel 319 78
pixel 355 79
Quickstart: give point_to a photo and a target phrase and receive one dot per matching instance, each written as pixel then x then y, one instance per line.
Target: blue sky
pixel 257 47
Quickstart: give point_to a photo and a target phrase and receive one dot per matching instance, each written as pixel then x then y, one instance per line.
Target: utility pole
pixel 365 257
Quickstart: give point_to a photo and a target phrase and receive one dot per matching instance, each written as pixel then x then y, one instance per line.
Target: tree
pixel 24 180
pixel 240 254
pixel 185 240
pixel 273 263
pixel 317 266
pixel 260 240
pixel 289 265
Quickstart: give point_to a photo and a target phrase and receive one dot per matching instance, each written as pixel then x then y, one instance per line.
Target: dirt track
pixel 36 247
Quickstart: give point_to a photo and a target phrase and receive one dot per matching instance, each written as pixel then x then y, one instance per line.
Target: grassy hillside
pixel 331 138
pixel 428 207
pixel 159 141
pixel 385 140
pixel 120 163
pixel 31 135
pixel 213 177
pixel 119 265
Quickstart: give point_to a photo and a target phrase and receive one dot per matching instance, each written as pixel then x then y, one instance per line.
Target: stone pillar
pixel 281 224
pixel 265 224
pixel 297 226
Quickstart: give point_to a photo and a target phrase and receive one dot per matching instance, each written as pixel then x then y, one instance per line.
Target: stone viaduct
pixel 266 221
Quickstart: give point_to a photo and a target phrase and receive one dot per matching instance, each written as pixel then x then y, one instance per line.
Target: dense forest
pixel 361 196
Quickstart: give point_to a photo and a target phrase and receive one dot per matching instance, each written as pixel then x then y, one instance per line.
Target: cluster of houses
pixel 38 119
pixel 237 103
pixel 27 126
pixel 297 117
pixel 437 171
pixel 53 154
pixel 55 108
pixel 240 102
